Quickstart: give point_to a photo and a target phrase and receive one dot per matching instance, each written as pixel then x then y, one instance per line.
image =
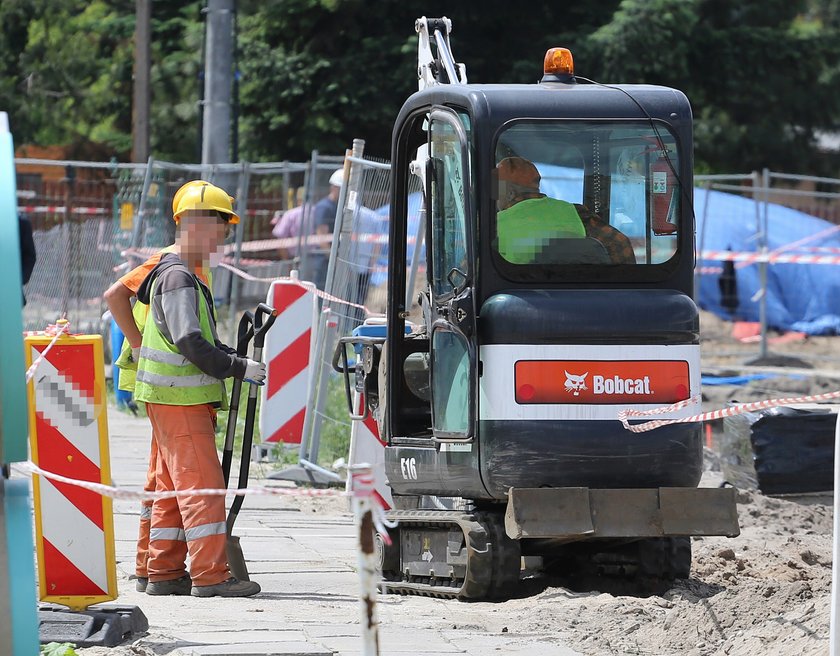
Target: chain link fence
pixel 94 221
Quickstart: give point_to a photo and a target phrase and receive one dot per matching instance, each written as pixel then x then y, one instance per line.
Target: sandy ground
pixel 765 592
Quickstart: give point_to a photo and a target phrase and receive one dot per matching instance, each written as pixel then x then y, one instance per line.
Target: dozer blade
pixel 584 513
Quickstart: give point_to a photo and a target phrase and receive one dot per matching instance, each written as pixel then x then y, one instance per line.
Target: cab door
pixel 451 279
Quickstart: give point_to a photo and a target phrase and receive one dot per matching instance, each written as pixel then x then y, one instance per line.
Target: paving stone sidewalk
pixel 303 555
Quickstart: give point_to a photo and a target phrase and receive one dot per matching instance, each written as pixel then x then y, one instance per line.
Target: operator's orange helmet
pixel 519 171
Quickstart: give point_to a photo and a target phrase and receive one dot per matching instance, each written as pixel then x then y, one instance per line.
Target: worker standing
pixel 180 371
pixel 131 320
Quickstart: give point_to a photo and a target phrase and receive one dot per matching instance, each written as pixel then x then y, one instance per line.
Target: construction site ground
pixel 765 592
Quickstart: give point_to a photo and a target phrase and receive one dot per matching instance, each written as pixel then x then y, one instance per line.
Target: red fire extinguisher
pixel 663 195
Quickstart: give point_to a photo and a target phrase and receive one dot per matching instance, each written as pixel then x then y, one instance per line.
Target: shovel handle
pixel 264 318
pixel 245 332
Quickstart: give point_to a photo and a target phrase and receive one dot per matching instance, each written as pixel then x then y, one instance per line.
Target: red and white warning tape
pixel 380 521
pixel 113 492
pixel 772 258
pixel 739 409
pixel 318 292
pixel 61 327
pixel 60 209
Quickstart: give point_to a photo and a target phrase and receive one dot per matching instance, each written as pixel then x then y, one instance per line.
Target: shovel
pixel 256 325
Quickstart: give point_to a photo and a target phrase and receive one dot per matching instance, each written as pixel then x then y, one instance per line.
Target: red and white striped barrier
pixel 289 348
pixel 61 209
pixel 74 530
pixel 367 447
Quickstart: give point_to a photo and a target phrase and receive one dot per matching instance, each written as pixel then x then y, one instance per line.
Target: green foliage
pixel 335 429
pixel 761 75
pixel 66 75
pixel 58 649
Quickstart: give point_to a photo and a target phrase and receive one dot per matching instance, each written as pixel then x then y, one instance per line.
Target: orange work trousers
pixel 187 460
pixel 141 567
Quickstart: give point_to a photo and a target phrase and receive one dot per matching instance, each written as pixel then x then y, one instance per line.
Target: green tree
pixel 66 71
pixel 317 73
pixel 761 76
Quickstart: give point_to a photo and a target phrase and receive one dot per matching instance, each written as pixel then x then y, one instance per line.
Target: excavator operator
pixel 527 219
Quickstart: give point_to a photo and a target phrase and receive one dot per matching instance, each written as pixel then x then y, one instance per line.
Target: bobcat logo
pixel 575 383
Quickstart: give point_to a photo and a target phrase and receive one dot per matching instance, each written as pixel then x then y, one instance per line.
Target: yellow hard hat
pixel 201 195
pixel 180 193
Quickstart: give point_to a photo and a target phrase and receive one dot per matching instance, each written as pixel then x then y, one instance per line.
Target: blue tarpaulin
pixel 801 297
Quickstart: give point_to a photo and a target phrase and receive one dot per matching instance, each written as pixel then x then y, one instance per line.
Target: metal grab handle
pixel 351 339
pixel 343 368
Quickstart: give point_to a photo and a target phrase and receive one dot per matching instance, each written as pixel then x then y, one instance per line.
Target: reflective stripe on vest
pixel 165 376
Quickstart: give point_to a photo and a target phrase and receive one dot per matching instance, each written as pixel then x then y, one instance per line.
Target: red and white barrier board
pixel 367 447
pixel 74 527
pixel 288 351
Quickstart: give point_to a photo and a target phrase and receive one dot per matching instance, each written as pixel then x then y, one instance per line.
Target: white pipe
pixel 835 552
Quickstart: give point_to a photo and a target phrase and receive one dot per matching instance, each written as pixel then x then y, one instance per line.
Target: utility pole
pixel 215 143
pixel 142 93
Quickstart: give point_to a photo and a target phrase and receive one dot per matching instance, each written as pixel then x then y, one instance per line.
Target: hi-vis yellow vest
pixel 128 367
pixel 167 377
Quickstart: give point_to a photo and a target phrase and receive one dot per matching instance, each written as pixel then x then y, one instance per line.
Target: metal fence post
pixel 141 209
pixel 761 198
pixel 242 210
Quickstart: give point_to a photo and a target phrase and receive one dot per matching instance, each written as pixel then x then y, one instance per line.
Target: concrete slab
pixel 259 649
pixel 243 637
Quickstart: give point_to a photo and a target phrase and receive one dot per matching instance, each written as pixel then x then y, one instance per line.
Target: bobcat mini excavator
pixel 498 402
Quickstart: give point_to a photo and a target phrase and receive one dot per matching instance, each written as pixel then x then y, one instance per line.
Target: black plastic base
pixel 101 625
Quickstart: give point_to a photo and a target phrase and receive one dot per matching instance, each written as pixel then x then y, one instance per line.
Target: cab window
pixel 590 193
pixel 448 206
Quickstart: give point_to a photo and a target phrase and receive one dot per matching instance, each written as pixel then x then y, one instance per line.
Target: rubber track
pixel 492 558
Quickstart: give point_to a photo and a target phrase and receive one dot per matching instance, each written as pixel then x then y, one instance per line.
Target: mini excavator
pixel 498 393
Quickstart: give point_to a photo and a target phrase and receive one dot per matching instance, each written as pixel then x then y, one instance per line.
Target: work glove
pixel 135 353
pixel 255 372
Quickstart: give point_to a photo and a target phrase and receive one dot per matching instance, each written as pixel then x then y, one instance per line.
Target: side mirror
pixel 454 276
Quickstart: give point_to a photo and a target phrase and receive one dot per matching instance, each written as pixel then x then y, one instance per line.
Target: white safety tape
pixel 56 330
pixel 113 492
pixel 247 276
pixel 738 409
pixel 57 209
pixel 771 258
pixel 309 286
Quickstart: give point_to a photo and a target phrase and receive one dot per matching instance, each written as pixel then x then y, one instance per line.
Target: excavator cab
pixel 552 300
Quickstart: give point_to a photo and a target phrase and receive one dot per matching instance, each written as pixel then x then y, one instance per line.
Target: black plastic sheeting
pixel 780 450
